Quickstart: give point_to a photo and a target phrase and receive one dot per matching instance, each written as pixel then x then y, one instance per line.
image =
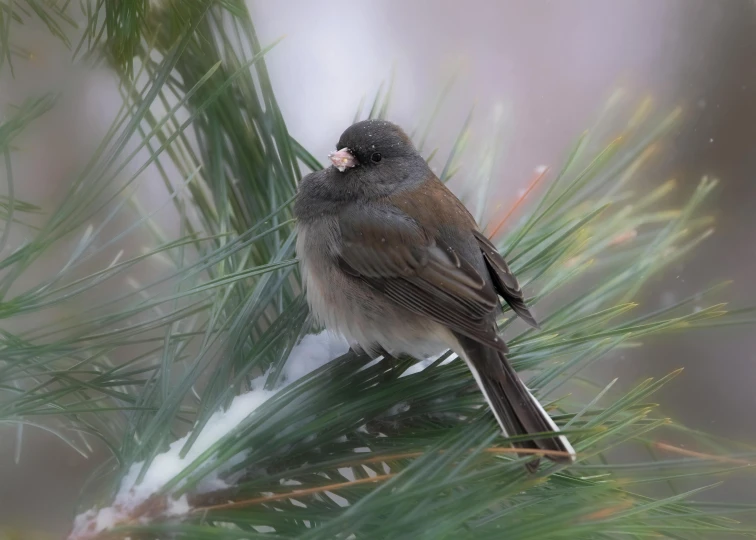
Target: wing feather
pixel 392 253
pixel 504 280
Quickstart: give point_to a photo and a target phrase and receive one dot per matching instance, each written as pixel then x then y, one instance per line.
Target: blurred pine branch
pixel 357 448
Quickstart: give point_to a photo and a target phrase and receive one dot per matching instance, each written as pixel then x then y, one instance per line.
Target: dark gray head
pixel 379 155
pixel 372 144
pixel 373 159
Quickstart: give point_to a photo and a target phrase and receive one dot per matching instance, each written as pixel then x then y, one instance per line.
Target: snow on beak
pixel 342 159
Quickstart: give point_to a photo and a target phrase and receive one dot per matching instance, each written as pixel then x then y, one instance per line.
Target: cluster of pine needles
pixel 352 450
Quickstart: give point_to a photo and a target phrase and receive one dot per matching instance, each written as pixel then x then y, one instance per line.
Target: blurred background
pixel 548 67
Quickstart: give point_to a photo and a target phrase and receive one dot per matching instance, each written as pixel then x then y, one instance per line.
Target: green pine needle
pixel 355 449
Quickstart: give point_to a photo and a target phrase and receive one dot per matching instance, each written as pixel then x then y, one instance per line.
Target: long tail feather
pixel 514 406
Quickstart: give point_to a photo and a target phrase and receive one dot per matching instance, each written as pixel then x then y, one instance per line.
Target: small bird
pixel 393 261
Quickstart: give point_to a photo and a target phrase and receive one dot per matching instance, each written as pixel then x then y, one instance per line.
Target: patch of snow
pixel 399 408
pixel 169 464
pixel 165 467
pixel 312 352
pixel 178 507
pixel 422 364
pixel 370 364
pixel 289 482
pixel 338 499
pixel 347 473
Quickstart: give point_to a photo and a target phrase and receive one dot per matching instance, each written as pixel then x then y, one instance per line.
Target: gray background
pixel 552 64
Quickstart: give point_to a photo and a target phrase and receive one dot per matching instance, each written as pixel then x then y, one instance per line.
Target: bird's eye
pixel 376 157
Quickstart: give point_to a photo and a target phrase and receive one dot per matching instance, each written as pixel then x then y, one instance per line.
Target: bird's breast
pixel 349 306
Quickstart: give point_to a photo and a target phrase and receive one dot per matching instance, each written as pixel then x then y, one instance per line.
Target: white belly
pixel 362 315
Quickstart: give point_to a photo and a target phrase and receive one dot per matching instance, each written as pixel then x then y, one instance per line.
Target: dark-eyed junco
pixel 393 260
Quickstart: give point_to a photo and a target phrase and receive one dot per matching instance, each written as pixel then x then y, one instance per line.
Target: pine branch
pixel 227 417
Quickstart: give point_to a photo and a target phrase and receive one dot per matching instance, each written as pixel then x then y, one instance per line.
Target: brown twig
pixel 700 455
pixel 294 493
pixel 518 202
pixel 155 506
pixel 490 450
pixel 607 512
pixel 374 459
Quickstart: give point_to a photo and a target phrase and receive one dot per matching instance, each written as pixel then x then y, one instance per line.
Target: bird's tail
pixel 515 408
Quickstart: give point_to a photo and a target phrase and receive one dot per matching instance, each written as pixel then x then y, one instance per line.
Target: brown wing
pixel 504 280
pixel 389 251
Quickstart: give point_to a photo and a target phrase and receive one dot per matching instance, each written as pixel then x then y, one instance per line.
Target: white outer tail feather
pixel 554 427
pixel 538 405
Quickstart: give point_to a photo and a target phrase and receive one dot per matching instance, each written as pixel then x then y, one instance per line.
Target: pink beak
pixel 342 159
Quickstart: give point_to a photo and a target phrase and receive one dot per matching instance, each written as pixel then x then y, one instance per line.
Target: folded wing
pixel 389 250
